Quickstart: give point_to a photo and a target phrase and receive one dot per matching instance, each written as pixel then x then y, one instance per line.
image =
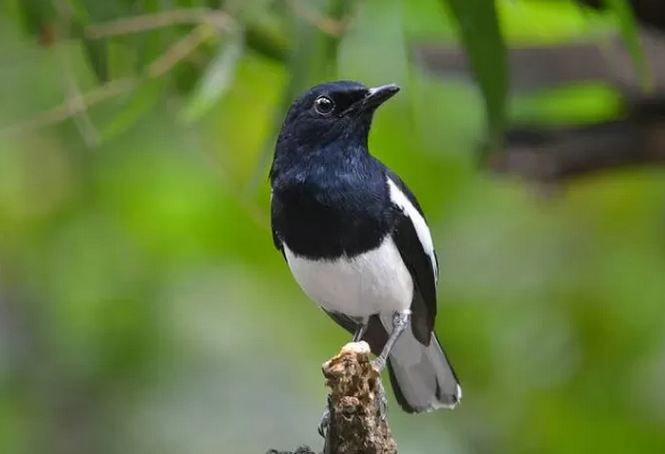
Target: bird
pixel 356 240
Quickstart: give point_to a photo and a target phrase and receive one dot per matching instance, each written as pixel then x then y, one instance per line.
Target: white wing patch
pixel 424 235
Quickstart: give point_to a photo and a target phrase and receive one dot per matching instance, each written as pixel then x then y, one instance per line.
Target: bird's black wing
pixel 274 206
pixel 421 264
pixel 277 242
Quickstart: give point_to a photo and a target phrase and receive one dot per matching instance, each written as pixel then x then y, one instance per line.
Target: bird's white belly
pixel 370 283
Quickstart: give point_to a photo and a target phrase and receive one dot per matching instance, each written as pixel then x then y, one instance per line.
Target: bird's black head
pixel 335 112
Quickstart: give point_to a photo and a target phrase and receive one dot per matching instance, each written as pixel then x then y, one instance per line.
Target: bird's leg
pixel 400 322
pixel 360 331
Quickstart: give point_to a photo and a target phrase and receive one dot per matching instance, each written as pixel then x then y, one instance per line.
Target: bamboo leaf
pixel 217 78
pixel 138 104
pixel 98 56
pixel 486 51
pixel 34 14
pixel 96 51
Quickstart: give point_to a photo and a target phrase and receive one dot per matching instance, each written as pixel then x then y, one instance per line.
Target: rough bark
pixel 356 424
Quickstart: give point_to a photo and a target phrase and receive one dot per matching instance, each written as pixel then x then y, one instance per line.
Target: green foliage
pixel 575 104
pixel 217 77
pixel 481 35
pixel 624 15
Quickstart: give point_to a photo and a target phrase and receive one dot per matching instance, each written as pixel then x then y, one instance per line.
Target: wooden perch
pixel 554 154
pixel 546 154
pixel 539 67
pixel 356 425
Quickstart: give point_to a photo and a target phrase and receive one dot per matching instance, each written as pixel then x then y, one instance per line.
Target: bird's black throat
pixel 330 198
pixel 330 202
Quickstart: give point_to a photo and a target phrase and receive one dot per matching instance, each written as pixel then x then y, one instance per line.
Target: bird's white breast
pixel 373 282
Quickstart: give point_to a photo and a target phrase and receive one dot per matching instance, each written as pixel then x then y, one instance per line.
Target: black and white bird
pixel 356 240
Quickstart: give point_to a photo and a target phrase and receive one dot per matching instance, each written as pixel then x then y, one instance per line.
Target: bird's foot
pixel 324 423
pixel 379 364
pixel 381 401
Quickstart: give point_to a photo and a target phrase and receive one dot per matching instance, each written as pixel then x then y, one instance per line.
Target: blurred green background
pixel 143 308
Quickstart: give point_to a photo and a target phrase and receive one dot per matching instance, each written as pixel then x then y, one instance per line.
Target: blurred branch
pixel 136 24
pixel 70 108
pixel 77 106
pixel 554 154
pixel 356 425
pixel 79 103
pixel 548 154
pixel 328 25
pixel 180 50
pixel 78 111
pixel 533 68
pixel 215 18
pixel 267 41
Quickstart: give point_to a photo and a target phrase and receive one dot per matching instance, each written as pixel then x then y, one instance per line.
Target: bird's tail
pixel 422 377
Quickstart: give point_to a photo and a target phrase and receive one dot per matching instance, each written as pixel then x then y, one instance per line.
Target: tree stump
pixel 357 423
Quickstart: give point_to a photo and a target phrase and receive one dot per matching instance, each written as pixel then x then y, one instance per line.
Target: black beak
pixel 378 95
pixel 373 99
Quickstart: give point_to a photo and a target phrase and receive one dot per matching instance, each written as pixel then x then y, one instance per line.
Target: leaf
pixel 628 28
pixel 139 103
pixel 268 43
pixel 486 51
pixel 37 18
pixel 216 79
pixel 97 52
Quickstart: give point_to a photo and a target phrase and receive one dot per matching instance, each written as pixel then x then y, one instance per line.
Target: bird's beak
pixel 378 95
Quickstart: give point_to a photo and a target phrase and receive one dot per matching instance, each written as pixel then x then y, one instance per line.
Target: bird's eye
pixel 324 105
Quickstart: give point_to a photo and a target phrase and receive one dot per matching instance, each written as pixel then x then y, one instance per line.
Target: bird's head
pixel 333 112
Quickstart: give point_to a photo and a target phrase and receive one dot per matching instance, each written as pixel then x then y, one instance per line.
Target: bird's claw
pixel 324 423
pixel 379 364
pixel 381 402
